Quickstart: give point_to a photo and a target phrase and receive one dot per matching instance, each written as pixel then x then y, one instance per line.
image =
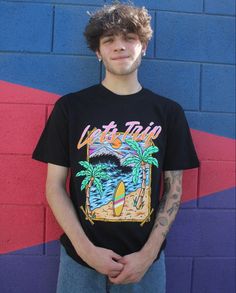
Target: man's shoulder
pixel 87 90
pixel 163 101
pixel 78 96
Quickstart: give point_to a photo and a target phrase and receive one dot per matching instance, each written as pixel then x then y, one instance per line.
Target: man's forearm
pixel 65 214
pixel 167 211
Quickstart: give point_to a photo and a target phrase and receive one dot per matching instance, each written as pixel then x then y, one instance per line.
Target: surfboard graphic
pixel 119 198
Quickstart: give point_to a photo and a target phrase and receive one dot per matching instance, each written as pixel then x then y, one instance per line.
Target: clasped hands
pixel 135 265
pixel 119 269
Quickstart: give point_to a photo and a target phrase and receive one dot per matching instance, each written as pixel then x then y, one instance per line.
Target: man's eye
pixel 107 41
pixel 130 37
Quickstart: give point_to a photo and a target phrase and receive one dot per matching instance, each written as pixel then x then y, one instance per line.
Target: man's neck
pixel 122 85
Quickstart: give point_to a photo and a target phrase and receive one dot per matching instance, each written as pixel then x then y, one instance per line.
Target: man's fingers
pixel 122 260
pixel 119 279
pixel 116 256
pixel 117 266
pixel 114 274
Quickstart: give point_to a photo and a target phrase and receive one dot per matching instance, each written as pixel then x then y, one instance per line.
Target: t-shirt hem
pixel 71 251
pixel 175 168
pixel 44 160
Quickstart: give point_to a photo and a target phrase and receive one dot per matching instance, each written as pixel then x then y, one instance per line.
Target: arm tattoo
pixel 164 197
pixel 164 234
pixel 175 195
pixel 162 221
pixel 175 176
pixel 174 207
pixel 170 201
pixel 167 184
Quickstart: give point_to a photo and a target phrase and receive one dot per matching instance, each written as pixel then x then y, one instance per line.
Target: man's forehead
pixel 117 33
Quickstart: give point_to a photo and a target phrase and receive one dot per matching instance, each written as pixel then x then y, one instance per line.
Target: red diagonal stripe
pixel 22 226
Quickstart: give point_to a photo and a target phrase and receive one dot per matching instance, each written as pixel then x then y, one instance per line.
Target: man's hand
pixel 104 261
pixel 135 266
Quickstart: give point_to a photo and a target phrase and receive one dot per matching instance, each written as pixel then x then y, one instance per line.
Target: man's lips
pixel 120 57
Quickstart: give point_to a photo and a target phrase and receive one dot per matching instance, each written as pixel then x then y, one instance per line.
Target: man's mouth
pixel 120 57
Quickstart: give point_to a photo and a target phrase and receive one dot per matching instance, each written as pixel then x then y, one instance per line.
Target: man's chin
pixel 122 72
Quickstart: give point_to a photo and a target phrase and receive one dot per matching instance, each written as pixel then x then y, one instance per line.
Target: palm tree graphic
pixel 93 175
pixel 139 161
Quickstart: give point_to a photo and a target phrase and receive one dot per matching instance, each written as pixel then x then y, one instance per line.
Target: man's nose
pixel 119 45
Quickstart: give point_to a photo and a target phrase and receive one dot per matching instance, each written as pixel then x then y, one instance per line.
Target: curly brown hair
pixel 118 18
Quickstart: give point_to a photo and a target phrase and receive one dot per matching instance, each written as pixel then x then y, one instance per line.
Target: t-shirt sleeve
pixel 180 151
pixel 53 144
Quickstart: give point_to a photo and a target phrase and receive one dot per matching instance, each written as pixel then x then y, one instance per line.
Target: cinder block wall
pixel 190 59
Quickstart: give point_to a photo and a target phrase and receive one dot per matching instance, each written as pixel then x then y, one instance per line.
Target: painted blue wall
pixel 191 60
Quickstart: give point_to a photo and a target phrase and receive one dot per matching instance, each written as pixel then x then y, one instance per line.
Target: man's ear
pixel 98 54
pixel 144 48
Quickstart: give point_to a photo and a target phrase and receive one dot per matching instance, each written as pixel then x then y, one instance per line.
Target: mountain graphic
pixel 104 150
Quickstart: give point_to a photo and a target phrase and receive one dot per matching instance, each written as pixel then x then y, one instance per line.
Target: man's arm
pixel 167 211
pixel 101 259
pixel 136 264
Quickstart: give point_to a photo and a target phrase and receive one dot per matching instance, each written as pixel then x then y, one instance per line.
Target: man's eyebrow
pixel 112 34
pixel 107 35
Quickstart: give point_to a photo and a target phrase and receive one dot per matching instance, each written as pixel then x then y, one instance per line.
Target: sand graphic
pixel 129 213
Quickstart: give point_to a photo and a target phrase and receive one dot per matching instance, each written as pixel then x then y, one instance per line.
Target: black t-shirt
pixel 116 147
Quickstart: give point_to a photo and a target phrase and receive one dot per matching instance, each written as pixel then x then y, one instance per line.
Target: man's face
pixel 121 53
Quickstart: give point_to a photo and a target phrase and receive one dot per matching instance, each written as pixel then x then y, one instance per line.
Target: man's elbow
pixel 52 188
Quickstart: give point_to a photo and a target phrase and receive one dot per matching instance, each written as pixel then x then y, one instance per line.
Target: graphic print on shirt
pixel 117 173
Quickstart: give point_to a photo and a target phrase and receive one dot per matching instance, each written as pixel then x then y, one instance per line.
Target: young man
pixel 116 138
